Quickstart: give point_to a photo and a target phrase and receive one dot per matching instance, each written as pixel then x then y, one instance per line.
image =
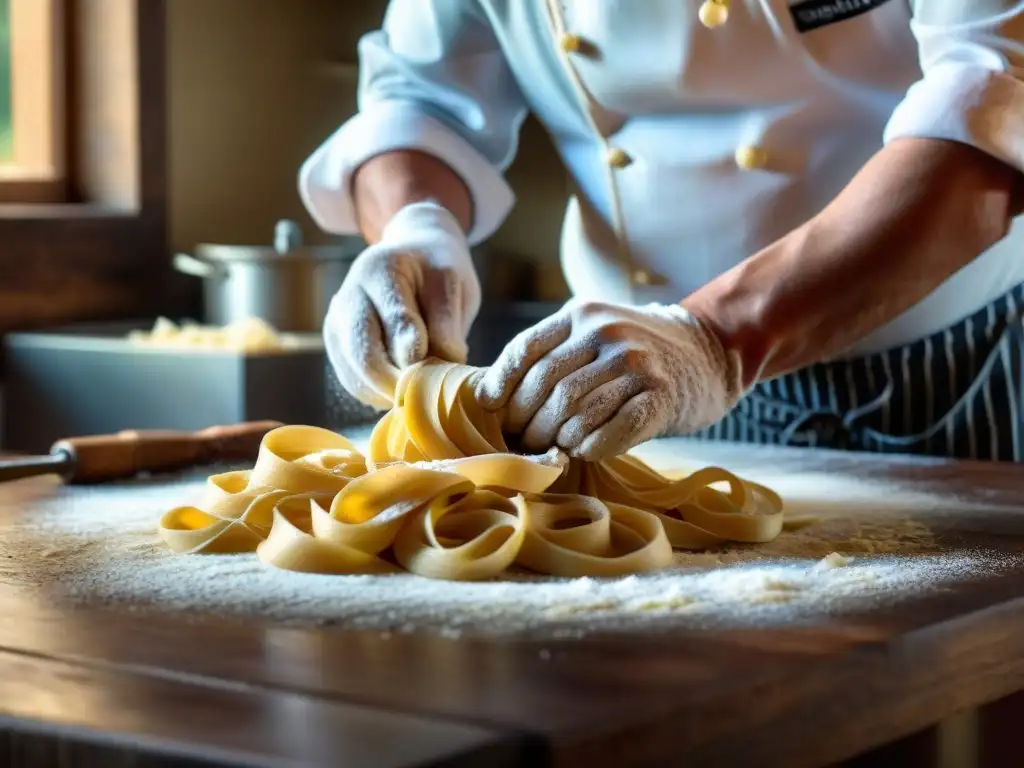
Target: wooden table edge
pixel 479 745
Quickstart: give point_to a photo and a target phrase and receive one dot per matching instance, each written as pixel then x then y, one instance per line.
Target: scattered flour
pixel 835 560
pixel 98 545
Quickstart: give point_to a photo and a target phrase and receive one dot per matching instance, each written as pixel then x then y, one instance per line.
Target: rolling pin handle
pixel 235 442
pixel 111 457
pixel 97 457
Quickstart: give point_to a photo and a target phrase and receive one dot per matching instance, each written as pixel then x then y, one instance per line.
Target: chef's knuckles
pixel 630 359
pixel 584 332
pixel 577 406
pixel 559 390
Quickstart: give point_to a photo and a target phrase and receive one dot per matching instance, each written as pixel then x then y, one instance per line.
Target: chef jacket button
pixel 751 158
pixel 642 277
pixel 618 159
pixel 714 13
pixel 572 43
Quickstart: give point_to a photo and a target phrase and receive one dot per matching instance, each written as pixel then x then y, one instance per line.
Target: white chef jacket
pixel 691 147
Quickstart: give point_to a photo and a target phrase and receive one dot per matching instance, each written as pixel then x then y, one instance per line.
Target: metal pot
pixel 287 285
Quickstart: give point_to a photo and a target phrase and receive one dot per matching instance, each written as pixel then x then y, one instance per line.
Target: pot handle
pixel 190 265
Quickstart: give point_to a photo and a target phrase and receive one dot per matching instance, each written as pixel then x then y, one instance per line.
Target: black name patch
pixel 811 14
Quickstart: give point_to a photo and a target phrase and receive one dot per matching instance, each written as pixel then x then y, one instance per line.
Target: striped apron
pixel 958 393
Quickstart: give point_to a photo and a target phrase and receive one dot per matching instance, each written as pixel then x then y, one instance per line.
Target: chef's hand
pixel 597 379
pixel 412 294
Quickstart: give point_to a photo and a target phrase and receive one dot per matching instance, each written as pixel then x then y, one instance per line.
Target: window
pixel 83 213
pixel 6 135
pixel 32 113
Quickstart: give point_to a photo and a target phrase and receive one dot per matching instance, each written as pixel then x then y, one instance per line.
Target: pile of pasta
pixel 440 494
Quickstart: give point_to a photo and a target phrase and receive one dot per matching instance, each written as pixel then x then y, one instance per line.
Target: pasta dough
pixel 249 335
pixel 441 494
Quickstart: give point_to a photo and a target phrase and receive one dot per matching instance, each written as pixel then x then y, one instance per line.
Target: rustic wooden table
pixel 101 684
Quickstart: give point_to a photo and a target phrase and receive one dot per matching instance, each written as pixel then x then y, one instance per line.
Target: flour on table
pixel 98 545
pixel 834 560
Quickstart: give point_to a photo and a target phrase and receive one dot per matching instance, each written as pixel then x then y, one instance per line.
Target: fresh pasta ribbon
pixel 583 536
pixel 473 536
pixel 442 495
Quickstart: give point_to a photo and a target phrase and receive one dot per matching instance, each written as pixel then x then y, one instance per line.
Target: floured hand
pixel 598 379
pixel 413 294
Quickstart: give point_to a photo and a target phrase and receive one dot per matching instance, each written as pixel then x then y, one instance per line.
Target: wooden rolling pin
pixel 97 458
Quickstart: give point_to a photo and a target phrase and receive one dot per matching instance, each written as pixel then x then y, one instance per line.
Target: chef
pixel 794 221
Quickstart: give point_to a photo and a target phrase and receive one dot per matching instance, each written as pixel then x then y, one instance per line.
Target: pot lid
pixel 287 244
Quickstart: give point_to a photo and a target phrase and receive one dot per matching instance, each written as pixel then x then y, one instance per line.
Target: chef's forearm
pixel 915 214
pixel 387 183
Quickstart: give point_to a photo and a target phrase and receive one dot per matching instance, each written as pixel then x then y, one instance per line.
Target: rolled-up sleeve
pixel 972 91
pixel 434 79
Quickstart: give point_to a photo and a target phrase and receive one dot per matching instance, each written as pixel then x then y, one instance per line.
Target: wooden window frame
pixel 92 245
pixel 37 173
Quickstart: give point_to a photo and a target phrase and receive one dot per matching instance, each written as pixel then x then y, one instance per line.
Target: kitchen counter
pixel 94 682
